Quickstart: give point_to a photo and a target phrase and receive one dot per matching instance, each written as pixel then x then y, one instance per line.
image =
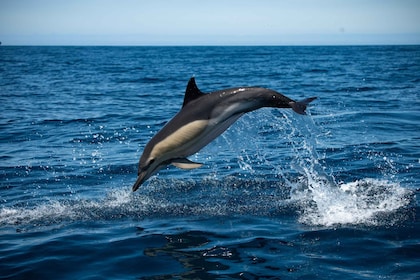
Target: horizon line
pixel 212 45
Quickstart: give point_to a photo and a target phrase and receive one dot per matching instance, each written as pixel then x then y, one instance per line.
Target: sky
pixel 215 22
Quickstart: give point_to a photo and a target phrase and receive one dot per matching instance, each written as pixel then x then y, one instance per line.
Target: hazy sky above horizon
pixel 216 22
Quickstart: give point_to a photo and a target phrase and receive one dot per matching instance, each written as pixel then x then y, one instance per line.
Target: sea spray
pixel 325 202
pixel 245 178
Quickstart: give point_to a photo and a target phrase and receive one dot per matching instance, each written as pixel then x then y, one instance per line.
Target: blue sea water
pixel 280 196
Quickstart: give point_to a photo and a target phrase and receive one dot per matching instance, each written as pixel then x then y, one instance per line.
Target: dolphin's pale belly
pixel 213 130
pixel 179 143
pixel 192 137
pixel 214 127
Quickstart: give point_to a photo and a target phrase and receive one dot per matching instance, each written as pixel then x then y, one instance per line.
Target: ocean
pixel 333 194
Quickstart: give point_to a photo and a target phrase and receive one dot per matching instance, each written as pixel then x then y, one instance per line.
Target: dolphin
pixel 201 119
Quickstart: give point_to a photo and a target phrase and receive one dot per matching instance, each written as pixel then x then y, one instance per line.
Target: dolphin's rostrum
pixel 201 119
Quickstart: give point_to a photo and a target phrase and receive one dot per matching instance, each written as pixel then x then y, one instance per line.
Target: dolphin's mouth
pixel 146 173
pixel 140 179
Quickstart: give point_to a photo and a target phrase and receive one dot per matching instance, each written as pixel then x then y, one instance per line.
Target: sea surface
pixel 330 195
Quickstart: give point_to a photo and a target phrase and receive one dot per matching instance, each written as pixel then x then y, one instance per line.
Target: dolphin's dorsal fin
pixel 191 92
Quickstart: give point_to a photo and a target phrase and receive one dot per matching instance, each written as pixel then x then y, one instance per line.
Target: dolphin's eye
pixel 147 165
pixel 151 162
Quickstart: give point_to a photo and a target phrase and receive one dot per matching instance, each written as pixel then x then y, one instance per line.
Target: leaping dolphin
pixel 201 119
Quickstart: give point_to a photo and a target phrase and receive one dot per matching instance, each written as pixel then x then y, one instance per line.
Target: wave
pixel 161 198
pixel 312 196
pixel 367 201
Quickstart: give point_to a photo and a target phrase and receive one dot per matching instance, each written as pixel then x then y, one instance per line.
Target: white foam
pixel 326 203
pixel 54 211
pixel 358 202
pixel 51 211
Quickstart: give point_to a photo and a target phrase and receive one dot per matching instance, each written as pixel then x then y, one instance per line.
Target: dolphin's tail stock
pixel 300 106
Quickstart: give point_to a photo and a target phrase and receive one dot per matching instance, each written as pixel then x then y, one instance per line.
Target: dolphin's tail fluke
pixel 300 106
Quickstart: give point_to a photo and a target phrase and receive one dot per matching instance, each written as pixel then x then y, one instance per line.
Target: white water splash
pixel 55 211
pixel 321 201
pixel 325 202
pixel 359 202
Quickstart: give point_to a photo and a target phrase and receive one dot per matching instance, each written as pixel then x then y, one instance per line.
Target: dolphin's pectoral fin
pixel 185 163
